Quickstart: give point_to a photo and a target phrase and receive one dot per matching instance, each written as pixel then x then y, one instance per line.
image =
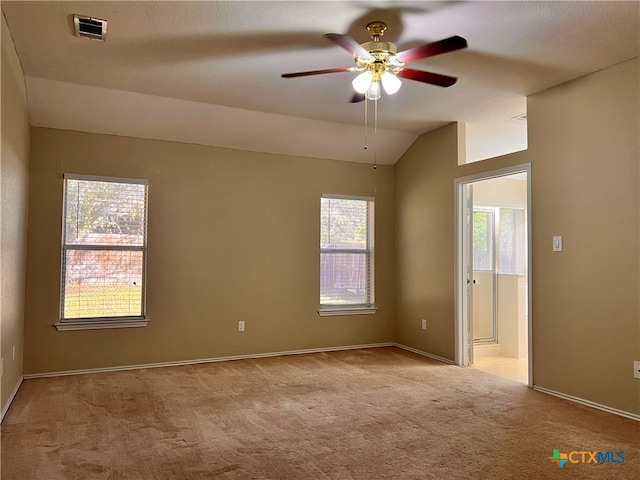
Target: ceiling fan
pixel 380 64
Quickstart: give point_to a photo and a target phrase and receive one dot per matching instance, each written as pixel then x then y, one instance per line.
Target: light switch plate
pixel 557 243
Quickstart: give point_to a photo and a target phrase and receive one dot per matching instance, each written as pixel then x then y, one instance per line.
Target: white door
pixel 469 281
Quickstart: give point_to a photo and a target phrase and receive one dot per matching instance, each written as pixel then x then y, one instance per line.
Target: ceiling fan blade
pixel 430 49
pixel 427 77
pixel 357 98
pixel 350 45
pixel 317 72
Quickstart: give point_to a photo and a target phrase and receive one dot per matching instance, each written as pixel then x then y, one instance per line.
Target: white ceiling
pixel 209 72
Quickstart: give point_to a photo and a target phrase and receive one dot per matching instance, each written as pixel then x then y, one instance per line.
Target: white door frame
pixel 460 274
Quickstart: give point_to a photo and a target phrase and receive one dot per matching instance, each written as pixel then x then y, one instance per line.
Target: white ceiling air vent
pixel 89 27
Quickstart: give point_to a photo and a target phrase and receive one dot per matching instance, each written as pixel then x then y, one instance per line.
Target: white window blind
pixel 103 248
pixel 499 239
pixel 512 241
pixel 346 251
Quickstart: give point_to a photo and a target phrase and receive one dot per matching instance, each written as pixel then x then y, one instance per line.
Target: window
pixel 483 239
pixel 346 255
pixel 512 241
pixel 104 246
pixel 501 230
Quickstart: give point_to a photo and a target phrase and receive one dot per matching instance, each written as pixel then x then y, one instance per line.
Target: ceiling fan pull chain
pixel 366 116
pixel 375 116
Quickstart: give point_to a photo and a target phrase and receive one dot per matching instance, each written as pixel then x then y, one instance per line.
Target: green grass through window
pixel 103 301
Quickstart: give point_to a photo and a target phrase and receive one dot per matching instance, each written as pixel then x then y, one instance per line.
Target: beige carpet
pixel 363 414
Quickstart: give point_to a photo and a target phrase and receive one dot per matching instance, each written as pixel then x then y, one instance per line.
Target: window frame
pixel 103 322
pixel 368 308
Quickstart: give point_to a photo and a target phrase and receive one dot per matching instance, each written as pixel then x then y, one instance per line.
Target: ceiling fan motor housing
pixel 383 53
pixel 380 48
pixel 383 58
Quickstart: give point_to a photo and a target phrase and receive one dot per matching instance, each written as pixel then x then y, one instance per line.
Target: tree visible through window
pixel 104 248
pixel 346 251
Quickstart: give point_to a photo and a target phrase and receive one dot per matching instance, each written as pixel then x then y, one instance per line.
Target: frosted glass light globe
pixel 390 83
pixel 362 82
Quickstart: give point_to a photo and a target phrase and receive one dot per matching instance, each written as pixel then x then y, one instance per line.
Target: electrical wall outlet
pixel 424 324
pixel 636 369
pixel 241 326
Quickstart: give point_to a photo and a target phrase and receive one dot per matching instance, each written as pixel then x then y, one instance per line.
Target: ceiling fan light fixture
pixel 362 82
pixel 374 92
pixel 390 83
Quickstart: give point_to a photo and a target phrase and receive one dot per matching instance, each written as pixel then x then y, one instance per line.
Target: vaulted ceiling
pixel 209 72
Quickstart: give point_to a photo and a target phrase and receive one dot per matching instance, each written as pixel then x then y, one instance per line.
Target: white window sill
pixel 335 311
pixel 100 325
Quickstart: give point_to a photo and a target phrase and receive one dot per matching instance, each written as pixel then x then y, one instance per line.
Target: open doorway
pixel 493 272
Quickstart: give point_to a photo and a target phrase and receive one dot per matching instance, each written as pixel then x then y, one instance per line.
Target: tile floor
pixel 508 367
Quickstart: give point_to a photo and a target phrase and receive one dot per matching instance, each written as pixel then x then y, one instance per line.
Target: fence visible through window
pixel 346 251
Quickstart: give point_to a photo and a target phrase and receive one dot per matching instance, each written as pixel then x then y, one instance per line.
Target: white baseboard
pixel 564 396
pixel 425 354
pixel 205 360
pixel 5 408
pixel 588 403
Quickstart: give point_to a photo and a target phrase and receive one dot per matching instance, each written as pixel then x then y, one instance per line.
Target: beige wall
pixel 512 319
pixel 583 146
pixel 14 183
pixel 424 227
pixel 233 235
pixel 584 142
pixel 501 192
